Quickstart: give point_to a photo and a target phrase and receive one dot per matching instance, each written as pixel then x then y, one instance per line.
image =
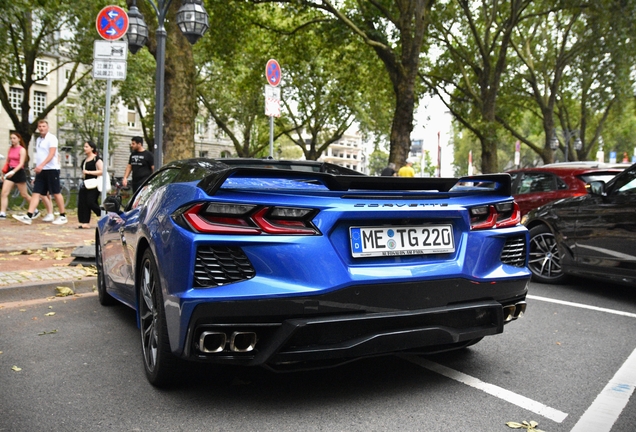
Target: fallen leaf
pixel 49 314
pixel 532 426
pixel 16 369
pixel 22 310
pixel 63 291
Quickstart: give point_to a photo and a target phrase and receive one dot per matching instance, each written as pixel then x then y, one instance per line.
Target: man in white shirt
pixel 47 175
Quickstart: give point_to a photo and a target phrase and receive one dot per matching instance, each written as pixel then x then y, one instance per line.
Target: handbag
pixel 5 168
pixel 100 182
pixel 91 183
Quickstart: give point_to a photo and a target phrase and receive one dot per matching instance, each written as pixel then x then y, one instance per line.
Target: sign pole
pixel 273 74
pixel 105 155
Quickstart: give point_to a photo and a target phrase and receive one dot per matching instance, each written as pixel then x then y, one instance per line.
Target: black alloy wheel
pixel 545 259
pixel 159 362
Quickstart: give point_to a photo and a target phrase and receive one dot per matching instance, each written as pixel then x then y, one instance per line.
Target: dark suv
pixel 534 187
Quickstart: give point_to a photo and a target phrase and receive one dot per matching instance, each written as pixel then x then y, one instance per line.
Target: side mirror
pixel 112 204
pixel 596 187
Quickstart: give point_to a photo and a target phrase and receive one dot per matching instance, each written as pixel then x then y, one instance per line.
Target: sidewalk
pixel 36 259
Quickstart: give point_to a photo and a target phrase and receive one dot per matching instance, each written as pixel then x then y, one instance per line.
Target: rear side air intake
pixel 514 252
pixel 220 265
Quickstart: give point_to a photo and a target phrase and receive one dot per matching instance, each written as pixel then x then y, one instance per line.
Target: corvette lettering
pixel 410 205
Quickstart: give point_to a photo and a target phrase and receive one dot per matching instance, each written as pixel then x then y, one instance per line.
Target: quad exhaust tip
pixel 512 312
pixel 211 342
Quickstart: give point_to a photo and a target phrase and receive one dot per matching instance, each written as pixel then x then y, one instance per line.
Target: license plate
pixel 403 240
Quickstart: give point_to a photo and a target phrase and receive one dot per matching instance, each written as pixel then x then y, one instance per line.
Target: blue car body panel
pixel 297 268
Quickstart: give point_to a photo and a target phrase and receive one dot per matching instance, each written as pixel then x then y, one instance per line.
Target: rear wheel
pixel 159 362
pixel 545 259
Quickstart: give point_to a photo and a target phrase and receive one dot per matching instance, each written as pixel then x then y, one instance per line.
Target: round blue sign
pixel 273 72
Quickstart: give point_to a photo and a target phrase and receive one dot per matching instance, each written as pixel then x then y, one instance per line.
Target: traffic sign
pixel 112 22
pixel 272 107
pixel 109 70
pixel 273 72
pixel 110 50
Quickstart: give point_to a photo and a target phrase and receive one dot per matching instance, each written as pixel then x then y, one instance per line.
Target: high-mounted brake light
pixel 500 215
pixel 227 218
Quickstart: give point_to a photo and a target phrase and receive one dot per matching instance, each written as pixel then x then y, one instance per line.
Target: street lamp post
pixel 567 136
pixel 192 19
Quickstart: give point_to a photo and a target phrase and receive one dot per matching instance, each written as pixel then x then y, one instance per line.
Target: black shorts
pixel 47 181
pixel 18 177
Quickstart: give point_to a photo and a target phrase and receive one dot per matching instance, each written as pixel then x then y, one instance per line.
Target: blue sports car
pixel 294 265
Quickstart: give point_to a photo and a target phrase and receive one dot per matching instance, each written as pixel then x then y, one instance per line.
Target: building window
pixel 67 74
pixel 132 117
pixel 203 153
pixel 39 102
pixel 15 99
pixel 41 71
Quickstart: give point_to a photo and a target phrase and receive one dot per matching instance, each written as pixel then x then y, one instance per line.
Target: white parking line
pixel 501 393
pixel 582 306
pixel 608 405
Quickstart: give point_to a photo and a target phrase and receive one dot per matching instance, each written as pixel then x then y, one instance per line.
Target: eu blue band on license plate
pixel 401 240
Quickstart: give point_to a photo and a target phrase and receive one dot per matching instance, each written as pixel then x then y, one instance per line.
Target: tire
pixel 159 362
pixel 545 258
pixel 105 299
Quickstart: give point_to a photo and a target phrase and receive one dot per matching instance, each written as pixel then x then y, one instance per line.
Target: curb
pixel 34 291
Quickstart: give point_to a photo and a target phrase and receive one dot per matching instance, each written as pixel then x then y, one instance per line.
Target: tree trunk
pixel 180 109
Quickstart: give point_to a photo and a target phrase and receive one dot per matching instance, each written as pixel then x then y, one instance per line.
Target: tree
pixel 84 114
pixel 396 31
pixel 138 92
pixel 569 74
pixel 231 65
pixel 55 28
pixel 180 107
pixel 475 38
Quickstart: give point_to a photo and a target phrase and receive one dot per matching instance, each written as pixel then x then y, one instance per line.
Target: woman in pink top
pixel 17 159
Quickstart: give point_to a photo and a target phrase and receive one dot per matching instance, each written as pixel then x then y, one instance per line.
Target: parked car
pixel 290 268
pixel 534 187
pixel 592 235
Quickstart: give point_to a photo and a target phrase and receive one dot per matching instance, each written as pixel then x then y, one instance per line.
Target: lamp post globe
pixel 192 19
pixel 554 142
pixel 137 33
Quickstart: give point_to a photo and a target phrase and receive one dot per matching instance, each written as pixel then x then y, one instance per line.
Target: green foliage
pixel 84 114
pixel 378 160
pixel 33 29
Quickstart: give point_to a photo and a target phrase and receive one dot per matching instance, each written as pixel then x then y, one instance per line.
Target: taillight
pixel 226 218
pixel 500 215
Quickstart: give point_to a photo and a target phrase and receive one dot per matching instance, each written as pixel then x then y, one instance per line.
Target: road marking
pixel 501 393
pixel 582 306
pixel 608 405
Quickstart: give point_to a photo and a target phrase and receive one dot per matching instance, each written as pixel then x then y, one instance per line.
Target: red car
pixel 534 187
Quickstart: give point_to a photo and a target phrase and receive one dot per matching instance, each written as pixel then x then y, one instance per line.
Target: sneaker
pixel 36 214
pixel 48 218
pixel 61 220
pixel 23 218
pixel 3 216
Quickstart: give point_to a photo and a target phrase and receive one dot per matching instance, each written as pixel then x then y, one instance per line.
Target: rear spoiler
pixel 499 183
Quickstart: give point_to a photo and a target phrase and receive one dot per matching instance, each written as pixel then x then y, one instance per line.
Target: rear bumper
pixel 354 322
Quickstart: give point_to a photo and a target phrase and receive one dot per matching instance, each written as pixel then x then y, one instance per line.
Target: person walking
pixel 17 159
pixel 141 163
pixel 407 170
pixel 389 171
pixel 92 167
pixel 47 175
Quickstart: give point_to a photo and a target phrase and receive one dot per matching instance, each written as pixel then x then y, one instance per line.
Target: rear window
pixel 590 177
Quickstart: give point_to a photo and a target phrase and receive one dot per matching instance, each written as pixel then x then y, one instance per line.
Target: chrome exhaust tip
pixel 243 341
pixel 509 313
pixel 212 342
pixel 520 309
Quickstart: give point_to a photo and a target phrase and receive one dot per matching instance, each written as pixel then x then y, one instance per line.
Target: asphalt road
pixel 81 370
